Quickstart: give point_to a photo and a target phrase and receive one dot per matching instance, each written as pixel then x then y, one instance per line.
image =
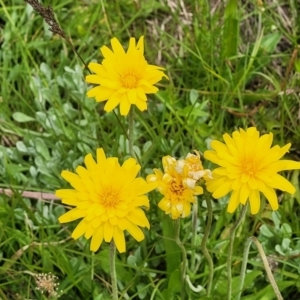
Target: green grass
pixel 226 66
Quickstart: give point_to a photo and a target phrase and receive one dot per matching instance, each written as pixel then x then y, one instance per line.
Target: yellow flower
pixel 248 167
pixel 191 167
pixel 108 197
pixel 124 77
pixel 179 191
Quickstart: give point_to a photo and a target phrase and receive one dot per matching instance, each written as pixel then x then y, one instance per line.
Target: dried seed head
pixel 46 283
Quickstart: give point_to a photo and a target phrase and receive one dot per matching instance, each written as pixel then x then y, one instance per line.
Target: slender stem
pixel 183 251
pixel 130 132
pixel 230 249
pixel 244 266
pixel 194 235
pixel 112 264
pixel 204 242
pixel 267 267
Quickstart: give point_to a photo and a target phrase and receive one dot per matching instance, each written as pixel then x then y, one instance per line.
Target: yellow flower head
pixel 108 197
pixel 248 167
pixel 178 188
pixel 124 77
pixel 191 167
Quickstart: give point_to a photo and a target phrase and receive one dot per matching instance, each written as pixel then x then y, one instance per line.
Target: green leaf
pixel 268 293
pixel 193 96
pixel 42 149
pixel 21 147
pixel 174 285
pixel 173 253
pixel 142 290
pixel 297 65
pixel 265 231
pixel 222 285
pixel 22 118
pixel 231 30
pixel 270 41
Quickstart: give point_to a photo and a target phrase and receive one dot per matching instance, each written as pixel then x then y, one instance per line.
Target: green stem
pixel 112 264
pixel 204 242
pixel 194 235
pixel 266 266
pixel 183 251
pixel 130 132
pixel 230 249
pixel 244 266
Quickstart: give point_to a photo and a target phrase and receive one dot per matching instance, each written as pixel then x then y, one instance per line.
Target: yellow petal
pixel 141 201
pixel 66 193
pixel 117 47
pixel 271 196
pixel 90 230
pixel 219 146
pixel 234 201
pixel 89 162
pixel 140 44
pixel 95 79
pixel 254 199
pixel 144 187
pixel 112 102
pixel 131 45
pixel 215 183
pixel 94 92
pixel 252 183
pixel 141 104
pixel 138 217
pixel 131 94
pixel 175 214
pixel 79 230
pixel 244 193
pixel 141 94
pixel 96 68
pixel 164 204
pixel 114 220
pixel 135 231
pixel 186 209
pixel 211 155
pixel 198 190
pixel 96 223
pixel 107 53
pixel 72 215
pixel 223 190
pixel 103 93
pixel 74 180
pixel 279 182
pixel 70 201
pixel 125 106
pixel 101 158
pixel 119 240
pixel 108 232
pixel 97 239
pixel 283 165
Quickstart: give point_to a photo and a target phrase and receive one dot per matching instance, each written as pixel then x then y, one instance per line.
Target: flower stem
pixel 183 251
pixel 266 266
pixel 230 249
pixel 112 264
pixel 204 242
pixel 243 268
pixel 130 132
pixel 194 235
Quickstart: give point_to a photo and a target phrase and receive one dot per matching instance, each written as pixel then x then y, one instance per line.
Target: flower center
pixel 109 198
pixel 129 81
pixel 176 190
pixel 249 167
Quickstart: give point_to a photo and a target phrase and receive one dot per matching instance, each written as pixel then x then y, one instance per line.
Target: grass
pixel 226 65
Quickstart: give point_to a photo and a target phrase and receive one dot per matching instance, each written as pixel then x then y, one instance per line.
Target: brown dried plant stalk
pixel 46 12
